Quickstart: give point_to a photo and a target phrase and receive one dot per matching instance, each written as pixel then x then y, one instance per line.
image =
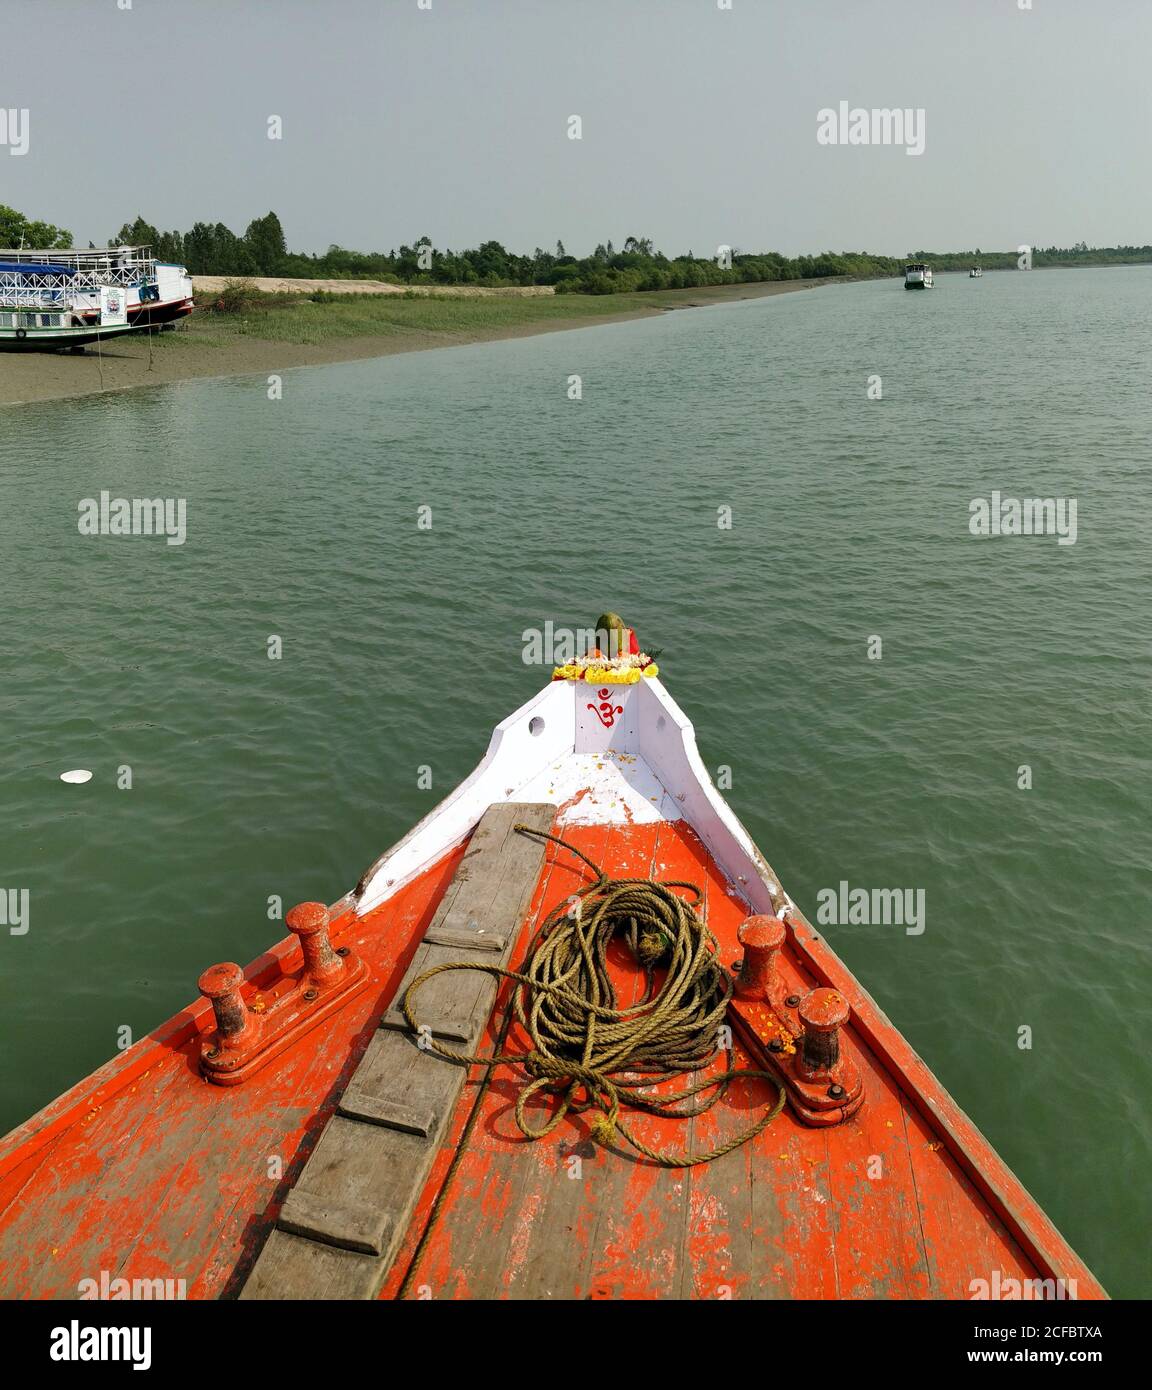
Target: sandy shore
pixel 270 284
pixel 202 347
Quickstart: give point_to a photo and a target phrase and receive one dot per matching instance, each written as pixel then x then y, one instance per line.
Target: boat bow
pixel 149 1169
pixel 602 754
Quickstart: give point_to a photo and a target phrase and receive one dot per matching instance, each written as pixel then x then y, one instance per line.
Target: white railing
pixel 114 265
pixel 49 291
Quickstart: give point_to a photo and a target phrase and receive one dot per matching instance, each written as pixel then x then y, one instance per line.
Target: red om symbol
pixel 606 713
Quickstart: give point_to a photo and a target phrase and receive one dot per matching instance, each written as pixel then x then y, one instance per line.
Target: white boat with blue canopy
pixel 41 309
pixel 156 292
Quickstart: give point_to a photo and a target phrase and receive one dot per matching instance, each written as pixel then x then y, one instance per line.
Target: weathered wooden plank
pixel 377 1110
pixel 294 1267
pixel 466 940
pixel 733 1229
pixel 350 1225
pixel 560 876
pixel 495 891
pixel 364 1166
pixel 455 1005
pixel 359 1186
pixel 394 1069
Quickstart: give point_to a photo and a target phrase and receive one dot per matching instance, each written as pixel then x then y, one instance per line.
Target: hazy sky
pixel 699 125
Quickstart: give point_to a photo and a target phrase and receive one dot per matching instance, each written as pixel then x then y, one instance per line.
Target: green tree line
pixel 211 248
pixel 1048 256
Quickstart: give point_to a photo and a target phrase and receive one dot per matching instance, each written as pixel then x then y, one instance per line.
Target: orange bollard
pixel 244 1040
pixel 823 1012
pixel 309 922
pixel 220 985
pixel 762 938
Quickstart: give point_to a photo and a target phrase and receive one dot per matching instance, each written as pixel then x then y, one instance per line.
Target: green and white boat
pixel 39 313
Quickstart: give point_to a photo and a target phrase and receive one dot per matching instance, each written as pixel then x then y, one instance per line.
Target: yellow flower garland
pixel 602 675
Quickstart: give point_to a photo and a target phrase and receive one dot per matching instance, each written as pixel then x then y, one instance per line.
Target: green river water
pixel 254 777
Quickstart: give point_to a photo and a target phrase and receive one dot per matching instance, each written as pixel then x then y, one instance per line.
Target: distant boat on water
pixel 917 276
pixel 975 273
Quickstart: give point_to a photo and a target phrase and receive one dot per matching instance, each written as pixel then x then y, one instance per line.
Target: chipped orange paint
pixel 148 1171
pixel 566 807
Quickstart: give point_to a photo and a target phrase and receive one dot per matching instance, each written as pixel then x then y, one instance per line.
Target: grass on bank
pixel 241 310
pixel 325 317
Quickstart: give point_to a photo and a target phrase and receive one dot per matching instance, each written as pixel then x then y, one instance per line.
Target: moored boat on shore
pixel 38 311
pixel 828 1162
pixel 156 292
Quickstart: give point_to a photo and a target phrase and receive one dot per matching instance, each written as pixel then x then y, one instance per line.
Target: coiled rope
pixel 591 1052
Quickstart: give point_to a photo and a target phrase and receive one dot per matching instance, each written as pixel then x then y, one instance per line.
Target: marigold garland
pixel 604 675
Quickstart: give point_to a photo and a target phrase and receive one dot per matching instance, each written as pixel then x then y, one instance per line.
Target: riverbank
pixel 276 284
pixel 302 333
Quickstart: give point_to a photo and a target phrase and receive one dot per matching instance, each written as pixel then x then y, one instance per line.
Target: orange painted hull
pixel 145 1170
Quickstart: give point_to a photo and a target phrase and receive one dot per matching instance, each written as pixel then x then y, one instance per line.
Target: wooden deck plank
pixel 306 1270
pixel 635 1248
pixel 593 1196
pixel 488 893
pixel 360 1186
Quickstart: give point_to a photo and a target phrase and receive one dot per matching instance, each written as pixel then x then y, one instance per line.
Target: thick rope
pixel 585 1048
